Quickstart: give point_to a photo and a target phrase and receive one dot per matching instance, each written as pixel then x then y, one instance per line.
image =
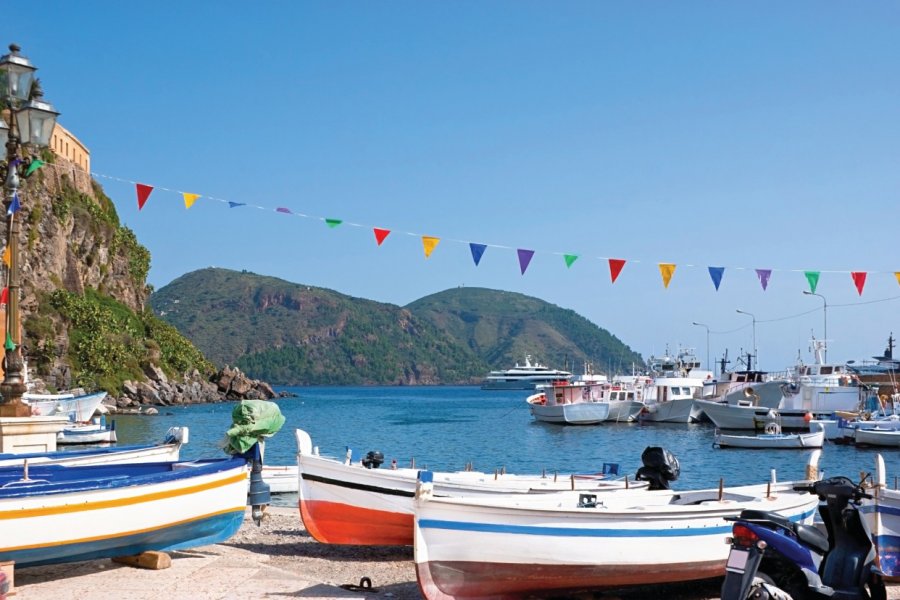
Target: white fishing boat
pixel 281 479
pixel 877 436
pixel 882 515
pixel 772 438
pixel 166 451
pixel 524 377
pixel 53 513
pixel 78 409
pixel 677 382
pixel 87 433
pixel 352 501
pixel 564 543
pixel 577 404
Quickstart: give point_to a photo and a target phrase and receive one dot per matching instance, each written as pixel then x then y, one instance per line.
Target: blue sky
pixel 748 136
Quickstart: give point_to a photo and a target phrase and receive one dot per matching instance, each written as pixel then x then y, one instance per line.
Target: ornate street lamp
pixel 30 123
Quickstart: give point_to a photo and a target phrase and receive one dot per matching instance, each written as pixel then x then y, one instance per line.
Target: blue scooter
pixel 773 558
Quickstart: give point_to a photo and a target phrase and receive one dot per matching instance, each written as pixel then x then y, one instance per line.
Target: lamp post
pixel 752 316
pixel 825 319
pixel 30 123
pixel 707 341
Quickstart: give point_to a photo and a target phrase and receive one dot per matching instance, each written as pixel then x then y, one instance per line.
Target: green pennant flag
pixel 9 345
pixel 34 166
pixel 813 278
pixel 570 258
pixel 333 222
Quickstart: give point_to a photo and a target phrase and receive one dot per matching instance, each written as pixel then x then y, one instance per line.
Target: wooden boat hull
pixel 349 504
pixel 480 548
pixel 67 514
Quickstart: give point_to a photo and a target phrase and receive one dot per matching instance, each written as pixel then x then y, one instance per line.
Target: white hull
pixel 344 503
pixel 877 437
pixel 282 479
pixel 625 411
pixel 167 451
pixel 732 416
pixel 673 411
pixel 554 545
pixel 882 515
pixel 78 409
pixel 803 441
pixel 551 405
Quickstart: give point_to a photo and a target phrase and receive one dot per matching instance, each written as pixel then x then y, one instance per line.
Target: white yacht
pixel 524 377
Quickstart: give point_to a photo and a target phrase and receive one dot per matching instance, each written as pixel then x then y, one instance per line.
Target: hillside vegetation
pixel 293 334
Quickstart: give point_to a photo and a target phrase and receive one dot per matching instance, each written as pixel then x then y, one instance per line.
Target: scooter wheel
pixel 762 588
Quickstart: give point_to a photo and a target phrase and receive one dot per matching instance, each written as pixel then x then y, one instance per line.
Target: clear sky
pixel 761 135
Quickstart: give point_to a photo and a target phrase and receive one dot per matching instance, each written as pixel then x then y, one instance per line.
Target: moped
pixel 773 558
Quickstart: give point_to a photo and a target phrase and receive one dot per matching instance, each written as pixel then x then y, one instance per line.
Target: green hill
pixel 293 334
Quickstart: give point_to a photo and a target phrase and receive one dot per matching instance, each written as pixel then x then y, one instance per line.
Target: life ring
pixel 542 400
pixel 772 428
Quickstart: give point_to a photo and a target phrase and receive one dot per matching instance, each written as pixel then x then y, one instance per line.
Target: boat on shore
pixel 569 542
pixel 524 377
pixel 353 501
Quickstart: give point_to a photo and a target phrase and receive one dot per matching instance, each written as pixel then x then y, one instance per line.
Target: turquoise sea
pixel 444 428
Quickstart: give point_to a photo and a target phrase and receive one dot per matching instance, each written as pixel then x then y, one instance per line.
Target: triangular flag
pixel 34 166
pixel 716 274
pixel 380 234
pixel 477 252
pixel 666 270
pixel 333 222
pixel 143 192
pixel 4 296
pixel 524 258
pixel 897 275
pixel 813 278
pixel 189 199
pixel 859 279
pixel 7 255
pixel 429 244
pixel 570 258
pixel 14 205
pixel 236 204
pixel 764 275
pixel 284 210
pixel 615 267
pixel 9 345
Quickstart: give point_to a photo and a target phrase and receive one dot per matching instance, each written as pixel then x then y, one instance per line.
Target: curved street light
pixel 31 122
pixel 752 316
pixel 825 319
pixel 707 341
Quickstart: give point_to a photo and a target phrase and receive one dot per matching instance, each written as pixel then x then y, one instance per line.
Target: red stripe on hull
pixel 504 581
pixel 333 523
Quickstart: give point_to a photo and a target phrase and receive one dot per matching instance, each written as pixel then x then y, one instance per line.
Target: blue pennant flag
pixel 14 205
pixel 716 274
pixel 477 252
pixel 235 204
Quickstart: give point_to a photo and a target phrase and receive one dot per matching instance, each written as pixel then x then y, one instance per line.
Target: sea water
pixel 447 428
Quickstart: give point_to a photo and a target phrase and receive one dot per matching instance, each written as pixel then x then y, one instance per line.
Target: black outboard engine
pixel 660 467
pixel 373 459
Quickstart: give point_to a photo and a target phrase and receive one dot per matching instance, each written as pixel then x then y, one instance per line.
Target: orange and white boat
pixel 356 502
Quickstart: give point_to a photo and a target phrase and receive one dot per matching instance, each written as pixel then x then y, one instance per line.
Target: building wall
pixel 66 145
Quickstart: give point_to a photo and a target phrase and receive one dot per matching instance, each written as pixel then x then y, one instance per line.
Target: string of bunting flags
pixel 525 255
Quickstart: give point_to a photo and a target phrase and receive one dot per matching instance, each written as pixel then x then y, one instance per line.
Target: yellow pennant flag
pixel 897 275
pixel 429 243
pixel 6 255
pixel 666 270
pixel 189 199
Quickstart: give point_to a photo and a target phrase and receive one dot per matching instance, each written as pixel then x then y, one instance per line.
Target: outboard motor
pixel 373 459
pixel 660 467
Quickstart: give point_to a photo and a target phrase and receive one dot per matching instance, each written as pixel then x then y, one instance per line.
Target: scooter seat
pixel 764 516
pixel 812 536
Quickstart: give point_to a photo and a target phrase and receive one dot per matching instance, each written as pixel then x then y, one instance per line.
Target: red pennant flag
pixel 143 192
pixel 615 267
pixel 380 234
pixel 4 296
pixel 859 279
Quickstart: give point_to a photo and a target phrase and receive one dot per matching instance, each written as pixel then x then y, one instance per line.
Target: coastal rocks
pixel 159 390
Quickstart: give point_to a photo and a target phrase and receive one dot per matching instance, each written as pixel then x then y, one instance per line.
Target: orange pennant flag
pixel 897 275
pixel 666 270
pixel 859 280
pixel 429 243
pixel 380 234
pixel 189 199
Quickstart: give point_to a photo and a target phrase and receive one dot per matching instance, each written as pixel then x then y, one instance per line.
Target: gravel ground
pixel 390 568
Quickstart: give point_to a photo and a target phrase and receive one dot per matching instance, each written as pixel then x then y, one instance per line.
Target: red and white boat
pixel 355 502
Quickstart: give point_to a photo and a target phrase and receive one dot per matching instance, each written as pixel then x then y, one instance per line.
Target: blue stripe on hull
pixel 202 532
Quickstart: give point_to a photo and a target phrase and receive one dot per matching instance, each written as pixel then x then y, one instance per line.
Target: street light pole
pixel 707 342
pixel 31 122
pixel 752 316
pixel 825 319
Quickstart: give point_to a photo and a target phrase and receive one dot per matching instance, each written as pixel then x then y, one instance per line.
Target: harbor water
pixel 447 428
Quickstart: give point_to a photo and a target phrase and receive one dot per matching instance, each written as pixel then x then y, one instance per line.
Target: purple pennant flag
pixel 716 274
pixel 477 252
pixel 236 204
pixel 524 258
pixel 284 210
pixel 764 275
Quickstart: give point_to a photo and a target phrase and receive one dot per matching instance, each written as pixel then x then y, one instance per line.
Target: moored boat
pixel 577 404
pixel 565 543
pixel 882 515
pixel 78 409
pixel 87 433
pixel 355 502
pixel 772 438
pixel 524 377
